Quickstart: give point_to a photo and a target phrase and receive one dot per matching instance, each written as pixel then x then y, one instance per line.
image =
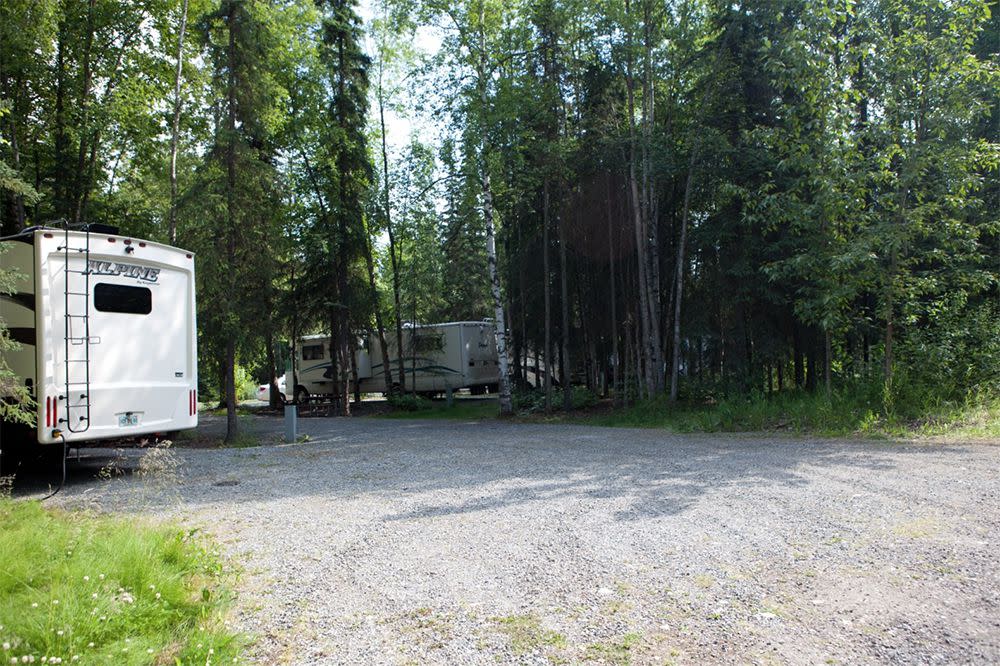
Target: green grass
pixel 847 411
pixel 83 589
pixel 462 409
pixel 858 410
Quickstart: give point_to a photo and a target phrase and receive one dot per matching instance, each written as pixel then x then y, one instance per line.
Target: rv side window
pixel 312 352
pixel 122 298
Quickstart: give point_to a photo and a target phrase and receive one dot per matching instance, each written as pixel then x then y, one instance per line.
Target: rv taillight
pixel 111 240
pixel 141 244
pixel 127 241
pixel 47 236
pixel 188 256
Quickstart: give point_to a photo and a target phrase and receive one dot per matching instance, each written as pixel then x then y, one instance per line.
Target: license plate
pixel 125 420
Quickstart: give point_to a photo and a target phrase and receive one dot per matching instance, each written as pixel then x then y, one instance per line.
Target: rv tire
pixel 301 395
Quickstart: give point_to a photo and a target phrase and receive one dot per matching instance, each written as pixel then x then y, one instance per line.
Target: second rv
pixel 436 357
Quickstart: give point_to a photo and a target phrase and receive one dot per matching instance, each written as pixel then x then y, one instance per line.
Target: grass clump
pixel 527 635
pixel 617 652
pixel 76 588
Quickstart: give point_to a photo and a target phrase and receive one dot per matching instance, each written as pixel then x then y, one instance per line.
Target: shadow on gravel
pixel 643 473
pixel 38 477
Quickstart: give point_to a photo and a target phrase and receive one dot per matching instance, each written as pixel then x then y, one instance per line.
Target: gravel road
pixel 405 542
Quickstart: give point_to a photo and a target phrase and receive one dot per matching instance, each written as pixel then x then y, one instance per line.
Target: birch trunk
pixel 393 261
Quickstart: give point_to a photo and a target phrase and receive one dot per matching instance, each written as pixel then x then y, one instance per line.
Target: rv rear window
pixel 312 352
pixel 122 298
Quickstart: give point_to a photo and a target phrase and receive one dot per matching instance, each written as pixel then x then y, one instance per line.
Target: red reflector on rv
pixel 188 256
pixel 55 412
pixel 48 411
pixel 141 244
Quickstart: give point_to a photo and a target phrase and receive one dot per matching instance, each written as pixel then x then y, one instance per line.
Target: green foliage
pixel 106 590
pixel 246 387
pixel 533 401
pixel 464 409
pixel 408 402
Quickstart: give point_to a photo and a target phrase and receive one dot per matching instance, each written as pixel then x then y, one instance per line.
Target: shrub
pixel 408 402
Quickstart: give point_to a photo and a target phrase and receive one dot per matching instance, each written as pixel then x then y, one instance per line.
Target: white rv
pixel 106 326
pixel 460 354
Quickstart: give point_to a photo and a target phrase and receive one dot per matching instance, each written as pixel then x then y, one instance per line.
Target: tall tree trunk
pixel 639 216
pixel 651 215
pixel 334 361
pixel 232 424
pixel 679 280
pixel 379 324
pixel 272 374
pixel 352 350
pixel 84 125
pixel 60 184
pixel 615 360
pixel 828 362
pixel 499 326
pixel 176 125
pixel 393 256
pixel 564 363
pixel 342 211
pixel 547 296
pixel 506 403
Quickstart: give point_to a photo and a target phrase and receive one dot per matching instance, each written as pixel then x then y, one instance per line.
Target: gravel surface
pixel 403 542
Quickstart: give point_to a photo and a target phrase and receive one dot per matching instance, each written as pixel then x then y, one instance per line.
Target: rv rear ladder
pixel 77 308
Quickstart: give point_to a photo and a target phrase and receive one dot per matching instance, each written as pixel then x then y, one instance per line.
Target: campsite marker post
pixel 291 423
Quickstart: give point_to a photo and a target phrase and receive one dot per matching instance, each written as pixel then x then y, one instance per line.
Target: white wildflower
pixel 86 578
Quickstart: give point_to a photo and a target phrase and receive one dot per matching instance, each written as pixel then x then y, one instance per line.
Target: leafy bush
pixel 408 402
pixel 533 401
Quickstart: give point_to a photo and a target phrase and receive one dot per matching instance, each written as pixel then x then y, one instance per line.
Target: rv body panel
pixel 116 342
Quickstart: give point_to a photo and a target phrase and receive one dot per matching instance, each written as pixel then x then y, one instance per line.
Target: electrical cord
pixel 62 482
